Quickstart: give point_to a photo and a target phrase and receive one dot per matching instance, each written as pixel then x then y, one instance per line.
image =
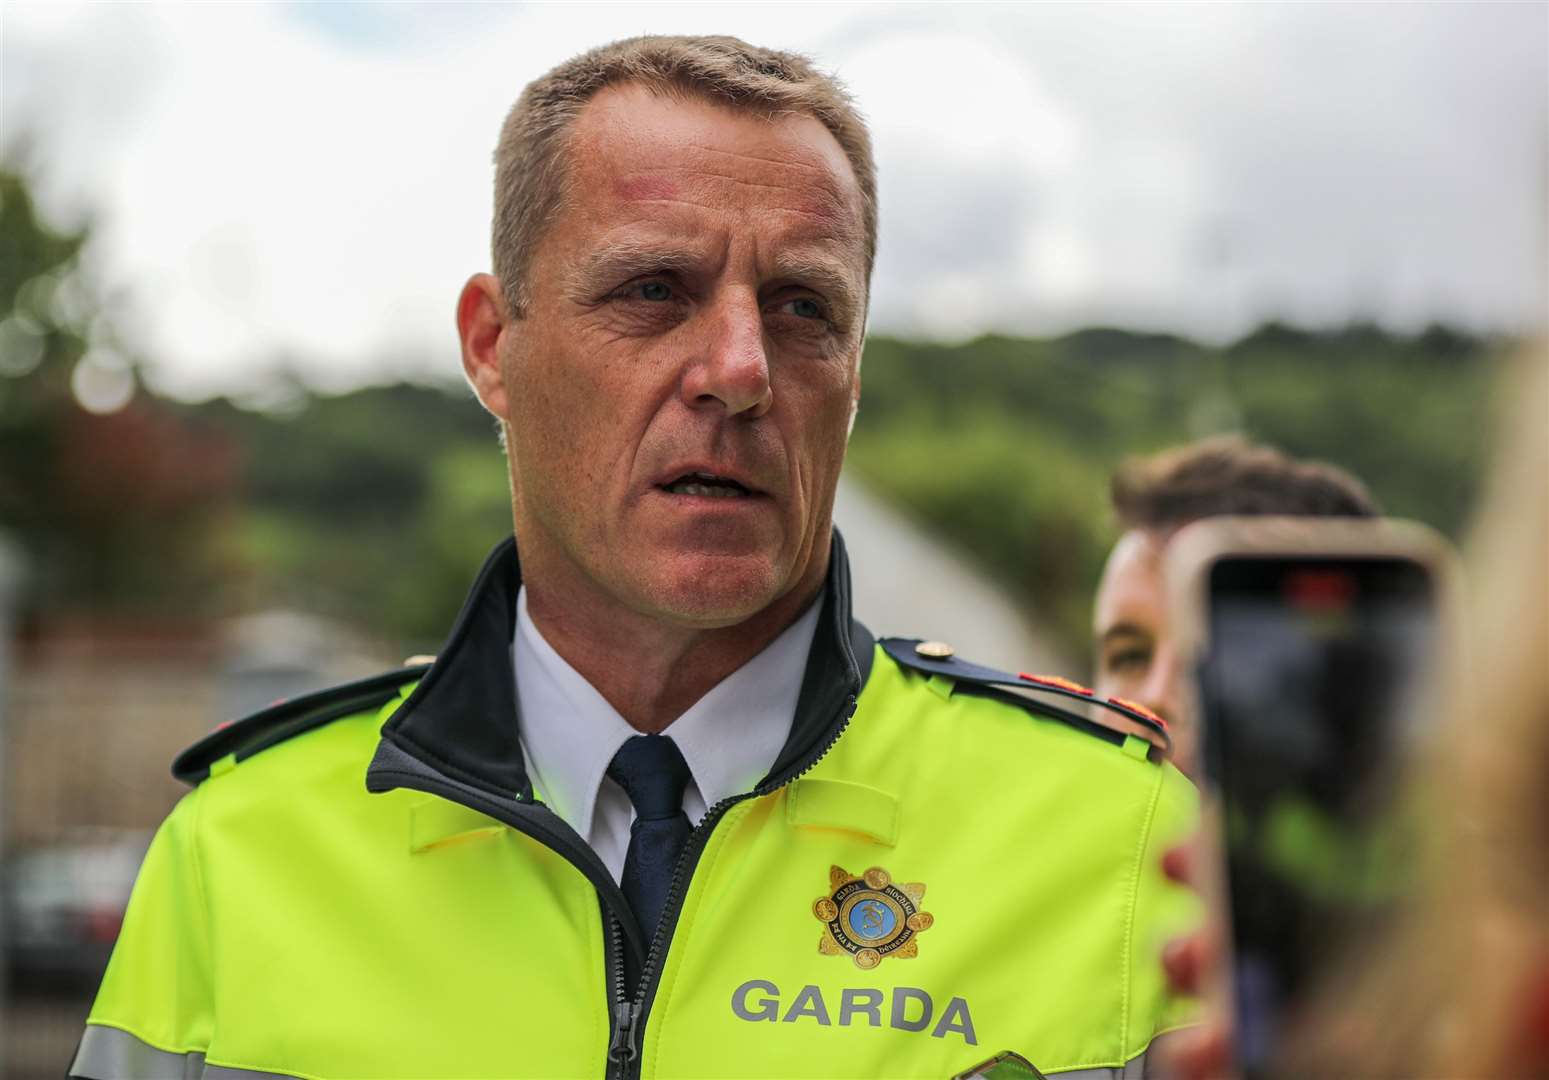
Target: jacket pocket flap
pixel 840 804
pixel 436 822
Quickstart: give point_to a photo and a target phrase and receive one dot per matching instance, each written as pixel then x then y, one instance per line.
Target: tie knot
pixel 652 772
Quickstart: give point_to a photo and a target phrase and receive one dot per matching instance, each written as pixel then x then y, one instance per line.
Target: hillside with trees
pixel 376 506
pixel 1005 445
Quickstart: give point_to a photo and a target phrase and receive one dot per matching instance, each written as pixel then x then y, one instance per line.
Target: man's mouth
pixel 706 485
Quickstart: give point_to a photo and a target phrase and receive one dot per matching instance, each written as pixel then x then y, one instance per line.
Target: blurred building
pixel 908 584
pixel 92 711
pixel 98 708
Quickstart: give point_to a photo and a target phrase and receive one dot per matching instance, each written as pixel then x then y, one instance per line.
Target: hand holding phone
pixel 1311 640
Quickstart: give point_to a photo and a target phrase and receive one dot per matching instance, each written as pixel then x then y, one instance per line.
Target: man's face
pixel 1135 652
pixel 681 384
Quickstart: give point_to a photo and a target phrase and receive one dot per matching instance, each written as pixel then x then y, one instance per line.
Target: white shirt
pixel 730 737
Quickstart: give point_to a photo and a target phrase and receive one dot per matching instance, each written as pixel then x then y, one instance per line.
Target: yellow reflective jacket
pixel 364 883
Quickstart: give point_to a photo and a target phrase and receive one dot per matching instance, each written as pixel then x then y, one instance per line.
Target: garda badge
pixel 870 917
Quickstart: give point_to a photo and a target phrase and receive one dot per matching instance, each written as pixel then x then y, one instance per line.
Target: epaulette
pixel 287 718
pixel 1112 719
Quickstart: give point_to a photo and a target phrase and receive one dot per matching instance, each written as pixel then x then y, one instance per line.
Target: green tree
pixel 115 505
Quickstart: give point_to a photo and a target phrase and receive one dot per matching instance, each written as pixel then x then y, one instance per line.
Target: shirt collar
pixel 730 737
pixel 454 731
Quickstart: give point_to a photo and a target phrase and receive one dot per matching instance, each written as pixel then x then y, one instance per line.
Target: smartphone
pixel 1314 643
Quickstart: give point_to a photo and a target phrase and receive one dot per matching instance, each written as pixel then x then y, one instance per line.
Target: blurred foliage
pixel 377 506
pixel 1005 445
pixel 115 509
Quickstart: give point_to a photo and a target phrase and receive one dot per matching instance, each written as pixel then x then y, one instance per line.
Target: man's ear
pixel 482 321
pixel 855 404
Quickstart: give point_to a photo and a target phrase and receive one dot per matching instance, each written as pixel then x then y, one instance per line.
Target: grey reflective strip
pixel 1134 1069
pixel 225 1072
pixel 108 1053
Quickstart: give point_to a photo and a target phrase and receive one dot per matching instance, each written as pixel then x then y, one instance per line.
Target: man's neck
pixel 652 671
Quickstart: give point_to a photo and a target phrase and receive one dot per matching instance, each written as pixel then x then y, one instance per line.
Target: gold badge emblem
pixel 871 917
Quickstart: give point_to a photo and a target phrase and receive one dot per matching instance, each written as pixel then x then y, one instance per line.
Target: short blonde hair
pixel 531 162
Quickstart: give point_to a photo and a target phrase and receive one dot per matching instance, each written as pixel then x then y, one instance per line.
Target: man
pixel 660 807
pixel 1155 497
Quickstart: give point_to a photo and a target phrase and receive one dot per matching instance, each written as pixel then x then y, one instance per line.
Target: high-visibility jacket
pixel 365 883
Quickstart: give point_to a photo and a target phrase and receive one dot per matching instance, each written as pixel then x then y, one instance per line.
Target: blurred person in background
pixel 661 806
pixel 1460 988
pixel 1153 497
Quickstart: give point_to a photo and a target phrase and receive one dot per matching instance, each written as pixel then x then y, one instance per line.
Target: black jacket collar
pixel 463 718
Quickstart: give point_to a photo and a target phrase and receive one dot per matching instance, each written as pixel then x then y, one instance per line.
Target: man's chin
pixel 712 591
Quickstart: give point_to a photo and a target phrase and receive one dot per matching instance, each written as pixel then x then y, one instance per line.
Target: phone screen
pixel 1312 691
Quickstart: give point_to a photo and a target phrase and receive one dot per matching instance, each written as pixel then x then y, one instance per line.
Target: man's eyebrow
pixel 826 276
pixel 618 262
pixel 1125 629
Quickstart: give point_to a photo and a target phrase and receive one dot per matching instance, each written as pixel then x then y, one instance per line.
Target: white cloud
pixel 313 180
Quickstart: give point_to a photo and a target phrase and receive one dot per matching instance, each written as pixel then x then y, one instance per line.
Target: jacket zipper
pixel 622 1045
pixel 630 1016
pixel 627 1017
pixel 623 1042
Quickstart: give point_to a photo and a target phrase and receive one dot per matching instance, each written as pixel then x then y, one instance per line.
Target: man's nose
pixel 1162 690
pixel 730 368
pixel 1163 693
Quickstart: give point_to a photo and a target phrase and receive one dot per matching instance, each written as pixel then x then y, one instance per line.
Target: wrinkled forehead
pixel 635 147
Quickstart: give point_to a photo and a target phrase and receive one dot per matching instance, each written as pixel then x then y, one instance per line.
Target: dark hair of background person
pixel 1228 475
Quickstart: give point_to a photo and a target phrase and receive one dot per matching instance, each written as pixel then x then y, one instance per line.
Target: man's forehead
pixel 1132 578
pixel 1145 547
pixel 647 147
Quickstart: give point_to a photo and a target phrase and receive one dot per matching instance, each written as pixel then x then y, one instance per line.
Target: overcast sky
pixel 312 181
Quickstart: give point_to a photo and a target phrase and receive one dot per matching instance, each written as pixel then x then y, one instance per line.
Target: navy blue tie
pixel 652 772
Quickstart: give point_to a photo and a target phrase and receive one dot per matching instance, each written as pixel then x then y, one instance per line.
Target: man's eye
pixel 655 291
pixel 1129 660
pixel 803 307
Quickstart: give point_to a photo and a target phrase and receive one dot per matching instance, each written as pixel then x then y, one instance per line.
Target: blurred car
pixel 61 908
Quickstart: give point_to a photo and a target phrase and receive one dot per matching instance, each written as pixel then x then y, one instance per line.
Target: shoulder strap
pixel 1112 719
pixel 287 718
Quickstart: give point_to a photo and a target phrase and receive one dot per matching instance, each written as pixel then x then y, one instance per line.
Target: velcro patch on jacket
pixel 1111 719
pixel 236 740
